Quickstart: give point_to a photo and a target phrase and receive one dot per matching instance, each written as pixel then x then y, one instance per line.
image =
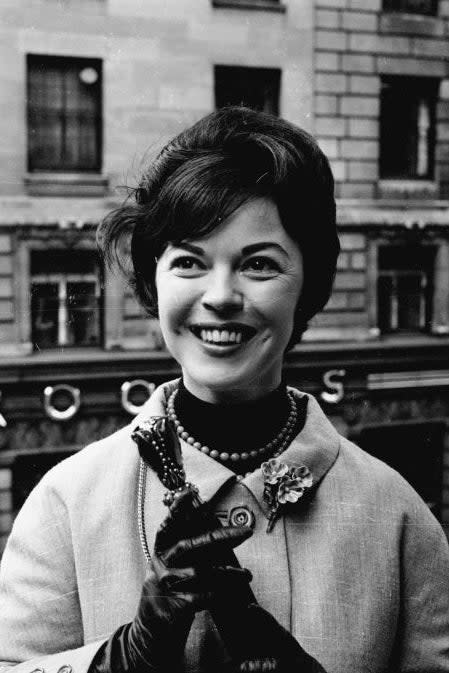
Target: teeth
pixel 220 336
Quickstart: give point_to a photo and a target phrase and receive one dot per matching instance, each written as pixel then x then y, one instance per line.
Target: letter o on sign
pixel 131 386
pixel 66 414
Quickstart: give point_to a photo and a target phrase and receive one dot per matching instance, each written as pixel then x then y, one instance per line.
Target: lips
pixel 223 334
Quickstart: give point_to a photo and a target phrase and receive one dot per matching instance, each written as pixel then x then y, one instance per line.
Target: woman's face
pixel 227 302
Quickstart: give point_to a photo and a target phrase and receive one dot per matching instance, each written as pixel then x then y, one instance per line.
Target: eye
pixel 186 265
pixel 261 266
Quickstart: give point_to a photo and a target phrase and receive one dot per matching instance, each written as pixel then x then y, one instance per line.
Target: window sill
pixel 267 5
pixel 66 184
pixel 407 189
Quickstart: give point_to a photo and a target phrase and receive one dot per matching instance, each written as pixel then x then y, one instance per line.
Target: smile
pixel 221 336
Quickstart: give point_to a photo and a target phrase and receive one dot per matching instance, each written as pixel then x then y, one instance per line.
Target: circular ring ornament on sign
pixel 127 389
pixel 61 414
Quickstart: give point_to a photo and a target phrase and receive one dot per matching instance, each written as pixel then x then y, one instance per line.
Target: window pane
pixel 64 113
pixel 412 6
pixel 44 315
pixel 83 314
pixel 405 287
pixel 407 127
pixel 257 88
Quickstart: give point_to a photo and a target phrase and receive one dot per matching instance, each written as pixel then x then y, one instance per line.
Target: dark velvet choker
pixel 246 425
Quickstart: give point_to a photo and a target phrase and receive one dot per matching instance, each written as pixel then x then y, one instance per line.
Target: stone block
pixel 443 132
pixel 327 18
pixel 327 61
pixel 347 280
pixel 5 243
pixel 326 105
pixel 331 40
pixel 353 63
pixel 352 241
pixel 343 261
pixel 331 127
pixel 6 288
pixel 332 4
pixel 6 521
pixel 444 89
pixel 5 478
pixel 364 84
pixel 330 147
pixel 373 6
pixel 364 42
pixel 363 128
pixel 358 261
pixel 5 265
pixel 330 83
pixel 337 301
pixel 359 149
pixel 356 301
pixel 359 106
pixel 357 190
pixel 443 8
pixel 394 44
pixel 430 47
pixel 5 501
pixel 339 170
pixel 362 171
pixel 6 310
pixel 390 65
pixel 340 319
pixel 359 21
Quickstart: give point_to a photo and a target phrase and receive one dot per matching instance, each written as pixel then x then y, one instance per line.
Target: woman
pixel 234 247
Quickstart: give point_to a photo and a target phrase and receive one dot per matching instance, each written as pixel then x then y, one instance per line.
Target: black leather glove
pixel 182 579
pixel 271 648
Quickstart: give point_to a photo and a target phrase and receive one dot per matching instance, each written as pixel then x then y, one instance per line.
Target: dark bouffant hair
pixel 203 175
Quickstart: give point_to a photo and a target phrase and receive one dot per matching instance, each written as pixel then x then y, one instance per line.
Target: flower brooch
pixel 283 485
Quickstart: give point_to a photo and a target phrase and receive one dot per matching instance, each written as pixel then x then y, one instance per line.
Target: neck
pixel 232 396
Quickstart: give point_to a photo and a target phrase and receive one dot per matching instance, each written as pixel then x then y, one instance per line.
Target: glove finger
pixel 205 581
pixel 205 547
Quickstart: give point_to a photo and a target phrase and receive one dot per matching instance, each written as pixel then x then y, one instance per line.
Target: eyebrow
pixel 246 250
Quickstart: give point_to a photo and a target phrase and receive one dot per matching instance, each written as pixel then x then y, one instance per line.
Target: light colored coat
pixel 360 576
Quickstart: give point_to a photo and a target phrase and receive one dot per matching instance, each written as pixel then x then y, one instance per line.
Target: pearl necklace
pixel 272 449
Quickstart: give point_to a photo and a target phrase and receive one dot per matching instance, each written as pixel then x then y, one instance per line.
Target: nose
pixel 222 294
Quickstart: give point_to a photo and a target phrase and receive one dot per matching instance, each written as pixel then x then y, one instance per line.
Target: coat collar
pixel 316 446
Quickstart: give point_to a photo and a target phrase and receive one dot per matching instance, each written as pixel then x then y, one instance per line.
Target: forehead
pixel 255 221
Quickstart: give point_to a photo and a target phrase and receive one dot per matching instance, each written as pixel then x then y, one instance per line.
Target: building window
pixel 65 299
pixel 64 114
pixel 411 6
pixel 256 88
pixel 405 288
pixel 407 127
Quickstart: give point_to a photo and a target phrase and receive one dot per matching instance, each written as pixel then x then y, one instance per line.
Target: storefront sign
pixel 335 391
pixel 66 414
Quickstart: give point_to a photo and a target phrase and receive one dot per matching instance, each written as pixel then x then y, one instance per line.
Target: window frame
pixel 34 62
pixel 439 322
pixel 221 71
pixel 425 88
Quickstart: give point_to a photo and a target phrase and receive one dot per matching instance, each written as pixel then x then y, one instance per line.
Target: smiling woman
pixel 227 308
pixel 234 248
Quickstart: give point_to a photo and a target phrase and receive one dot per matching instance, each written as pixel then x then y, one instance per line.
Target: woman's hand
pixel 182 579
pixel 270 648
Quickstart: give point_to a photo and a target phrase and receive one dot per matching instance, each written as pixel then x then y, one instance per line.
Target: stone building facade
pixel 92 88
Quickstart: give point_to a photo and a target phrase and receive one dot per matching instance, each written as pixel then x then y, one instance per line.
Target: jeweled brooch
pixel 283 485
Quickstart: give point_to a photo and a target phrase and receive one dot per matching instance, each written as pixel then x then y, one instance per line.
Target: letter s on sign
pixel 335 390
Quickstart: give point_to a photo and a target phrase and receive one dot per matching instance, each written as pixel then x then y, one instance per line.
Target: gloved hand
pixel 182 579
pixel 271 648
